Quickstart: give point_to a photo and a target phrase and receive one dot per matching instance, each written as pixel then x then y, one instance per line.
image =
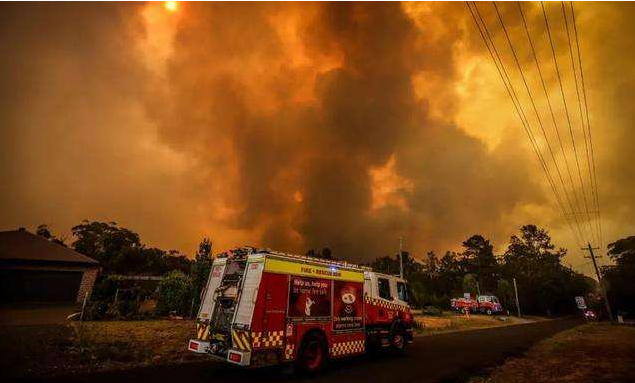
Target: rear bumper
pixel 198 346
pixel 239 357
pixel 234 356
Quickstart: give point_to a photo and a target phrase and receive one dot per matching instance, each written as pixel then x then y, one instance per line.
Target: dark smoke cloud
pixel 290 126
pixel 363 113
pixel 73 137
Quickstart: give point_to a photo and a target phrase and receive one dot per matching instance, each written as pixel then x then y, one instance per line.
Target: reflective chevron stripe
pixel 202 331
pixel 240 340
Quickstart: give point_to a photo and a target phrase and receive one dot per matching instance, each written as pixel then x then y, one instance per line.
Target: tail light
pixel 235 357
pixel 194 346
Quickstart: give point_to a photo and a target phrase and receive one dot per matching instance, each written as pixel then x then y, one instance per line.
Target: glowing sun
pixel 171 6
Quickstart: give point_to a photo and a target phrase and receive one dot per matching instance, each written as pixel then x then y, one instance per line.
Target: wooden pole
pixel 597 273
pixel 516 293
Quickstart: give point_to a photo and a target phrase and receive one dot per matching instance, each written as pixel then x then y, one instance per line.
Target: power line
pixel 553 118
pixel 518 107
pixel 577 92
pixel 586 107
pixel 520 70
pixel 566 108
pixel 529 131
pixel 588 142
pixel 522 75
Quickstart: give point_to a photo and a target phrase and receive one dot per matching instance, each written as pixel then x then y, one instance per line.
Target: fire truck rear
pixel 262 307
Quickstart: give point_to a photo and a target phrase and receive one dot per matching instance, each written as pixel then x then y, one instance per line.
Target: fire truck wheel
pixel 398 339
pixel 313 353
pixel 489 311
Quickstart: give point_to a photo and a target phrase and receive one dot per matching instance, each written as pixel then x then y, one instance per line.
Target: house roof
pixel 22 245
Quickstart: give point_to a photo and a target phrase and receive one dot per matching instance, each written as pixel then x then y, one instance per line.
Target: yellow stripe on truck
pixel 280 266
pixel 202 331
pixel 240 339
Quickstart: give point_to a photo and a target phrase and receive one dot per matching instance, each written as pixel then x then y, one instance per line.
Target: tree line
pixel 119 250
pixel 619 279
pixel 121 253
pixel 545 285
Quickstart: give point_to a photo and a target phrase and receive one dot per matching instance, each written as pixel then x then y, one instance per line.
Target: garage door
pixel 39 286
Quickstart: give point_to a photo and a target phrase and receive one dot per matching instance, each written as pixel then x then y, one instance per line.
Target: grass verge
pixel 452 321
pixel 589 353
pixel 49 350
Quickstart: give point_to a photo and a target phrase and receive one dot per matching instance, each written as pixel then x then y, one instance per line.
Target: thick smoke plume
pixel 290 126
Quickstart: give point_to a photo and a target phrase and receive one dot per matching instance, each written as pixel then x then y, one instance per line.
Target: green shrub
pixel 126 309
pixel 105 288
pixel 111 301
pixel 175 294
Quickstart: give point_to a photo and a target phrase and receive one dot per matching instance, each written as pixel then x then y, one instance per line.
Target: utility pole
pixel 516 294
pixel 597 273
pixel 400 257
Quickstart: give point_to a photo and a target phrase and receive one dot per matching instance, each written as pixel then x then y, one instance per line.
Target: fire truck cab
pixel 262 307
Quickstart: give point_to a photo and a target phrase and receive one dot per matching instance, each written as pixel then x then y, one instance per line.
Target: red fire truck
pixel 262 307
pixel 486 304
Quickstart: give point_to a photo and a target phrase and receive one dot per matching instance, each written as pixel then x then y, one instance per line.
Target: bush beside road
pixel 588 353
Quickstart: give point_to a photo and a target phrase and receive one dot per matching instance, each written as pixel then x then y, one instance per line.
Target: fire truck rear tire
pixel 488 311
pixel 313 353
pixel 398 339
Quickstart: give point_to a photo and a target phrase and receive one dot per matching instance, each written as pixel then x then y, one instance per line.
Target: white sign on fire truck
pixel 580 302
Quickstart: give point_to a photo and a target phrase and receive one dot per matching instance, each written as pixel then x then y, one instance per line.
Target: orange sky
pixel 297 125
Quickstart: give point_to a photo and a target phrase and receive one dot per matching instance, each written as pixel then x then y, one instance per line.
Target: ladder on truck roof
pixel 248 250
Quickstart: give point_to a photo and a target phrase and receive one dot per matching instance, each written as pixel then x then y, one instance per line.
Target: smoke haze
pixel 296 126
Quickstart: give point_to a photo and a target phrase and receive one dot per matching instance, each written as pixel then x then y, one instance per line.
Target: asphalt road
pixel 451 357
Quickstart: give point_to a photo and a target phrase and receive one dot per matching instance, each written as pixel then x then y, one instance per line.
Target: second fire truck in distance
pixel 485 304
pixel 262 307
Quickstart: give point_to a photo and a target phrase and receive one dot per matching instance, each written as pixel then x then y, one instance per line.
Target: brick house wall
pixel 89 276
pixel 88 282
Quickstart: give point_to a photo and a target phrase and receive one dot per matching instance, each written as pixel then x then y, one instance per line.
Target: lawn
pixel 46 350
pixel 589 353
